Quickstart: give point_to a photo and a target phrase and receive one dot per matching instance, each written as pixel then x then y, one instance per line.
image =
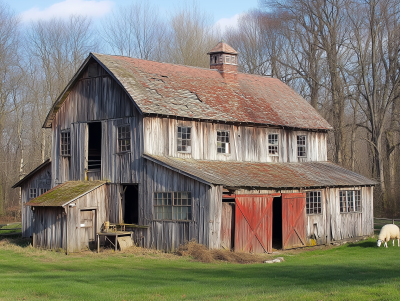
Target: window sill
pixel 123 153
pixel 225 154
pixel 314 213
pixel 181 152
pixel 350 212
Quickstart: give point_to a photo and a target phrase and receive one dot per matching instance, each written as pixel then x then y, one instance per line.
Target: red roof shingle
pixel 199 93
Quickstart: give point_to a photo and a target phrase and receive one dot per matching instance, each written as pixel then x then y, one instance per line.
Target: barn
pixel 173 153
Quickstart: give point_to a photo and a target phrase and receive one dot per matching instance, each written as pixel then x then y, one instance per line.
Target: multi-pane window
pixel 350 200
pixel 273 144
pixel 42 190
pixel 66 143
pixel 301 146
pixel 223 142
pixel 32 193
pixel 124 139
pixel 313 202
pixel 173 206
pixel 184 139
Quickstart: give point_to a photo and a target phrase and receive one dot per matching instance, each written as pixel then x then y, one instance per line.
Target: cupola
pixel 224 58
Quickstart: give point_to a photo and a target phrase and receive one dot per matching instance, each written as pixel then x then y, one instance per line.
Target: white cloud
pixel 225 23
pixel 90 8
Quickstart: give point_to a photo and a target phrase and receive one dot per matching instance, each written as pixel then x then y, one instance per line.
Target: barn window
pixel 273 144
pixel 124 139
pixel 313 202
pixel 223 146
pixel 42 190
pixel 66 143
pixel 32 193
pixel 184 139
pixel 350 201
pixel 301 146
pixel 227 59
pixel 173 206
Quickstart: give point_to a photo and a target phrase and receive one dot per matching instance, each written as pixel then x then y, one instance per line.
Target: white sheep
pixel 387 233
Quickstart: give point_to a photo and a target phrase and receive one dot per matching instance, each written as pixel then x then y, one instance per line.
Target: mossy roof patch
pixel 65 193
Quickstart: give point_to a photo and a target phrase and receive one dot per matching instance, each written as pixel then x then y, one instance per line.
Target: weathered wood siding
pixel 331 225
pixel 205 226
pixel 56 227
pixel 352 224
pixel 246 143
pixel 316 224
pixel 97 98
pixel 42 179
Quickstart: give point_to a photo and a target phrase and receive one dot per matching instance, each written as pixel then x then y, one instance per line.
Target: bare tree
pixel 135 30
pixel 376 42
pixel 60 47
pixel 191 36
pixel 9 77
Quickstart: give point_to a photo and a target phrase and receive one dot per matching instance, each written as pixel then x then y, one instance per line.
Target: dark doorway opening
pixel 94 151
pixel 277 223
pixel 131 204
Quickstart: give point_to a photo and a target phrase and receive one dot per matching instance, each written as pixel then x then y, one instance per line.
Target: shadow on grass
pixel 17 240
pixel 363 244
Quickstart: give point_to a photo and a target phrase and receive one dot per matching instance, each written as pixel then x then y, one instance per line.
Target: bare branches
pixel 135 31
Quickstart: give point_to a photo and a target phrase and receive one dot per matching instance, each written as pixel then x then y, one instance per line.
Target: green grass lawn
pixel 14 228
pixel 359 271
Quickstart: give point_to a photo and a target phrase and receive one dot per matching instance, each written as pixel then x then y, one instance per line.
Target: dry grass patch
pixel 201 253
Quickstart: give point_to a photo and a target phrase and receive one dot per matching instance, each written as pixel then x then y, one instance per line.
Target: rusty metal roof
pixel 264 175
pixel 223 47
pixel 65 193
pixel 199 93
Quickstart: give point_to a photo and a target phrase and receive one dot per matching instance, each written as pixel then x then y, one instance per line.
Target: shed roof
pixel 264 175
pixel 200 93
pixel 65 193
pixel 32 173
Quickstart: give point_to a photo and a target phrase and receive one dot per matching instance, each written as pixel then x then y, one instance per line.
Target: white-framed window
pixel 273 144
pixel 124 139
pixel 350 201
pixel 172 206
pixel 302 146
pixel 227 59
pixel 66 143
pixel 184 139
pixel 223 145
pixel 42 190
pixel 313 202
pixel 32 193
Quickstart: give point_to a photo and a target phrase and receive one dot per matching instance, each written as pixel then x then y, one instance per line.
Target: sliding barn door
pixel 253 224
pixel 293 220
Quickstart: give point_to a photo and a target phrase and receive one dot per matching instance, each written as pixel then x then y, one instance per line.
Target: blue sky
pixel 224 12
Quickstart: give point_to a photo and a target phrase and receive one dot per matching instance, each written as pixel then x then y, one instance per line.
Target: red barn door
pixel 293 220
pixel 253 223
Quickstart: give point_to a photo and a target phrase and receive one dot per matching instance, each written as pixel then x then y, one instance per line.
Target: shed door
pixel 87 228
pixel 253 224
pixel 293 220
pixel 227 225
